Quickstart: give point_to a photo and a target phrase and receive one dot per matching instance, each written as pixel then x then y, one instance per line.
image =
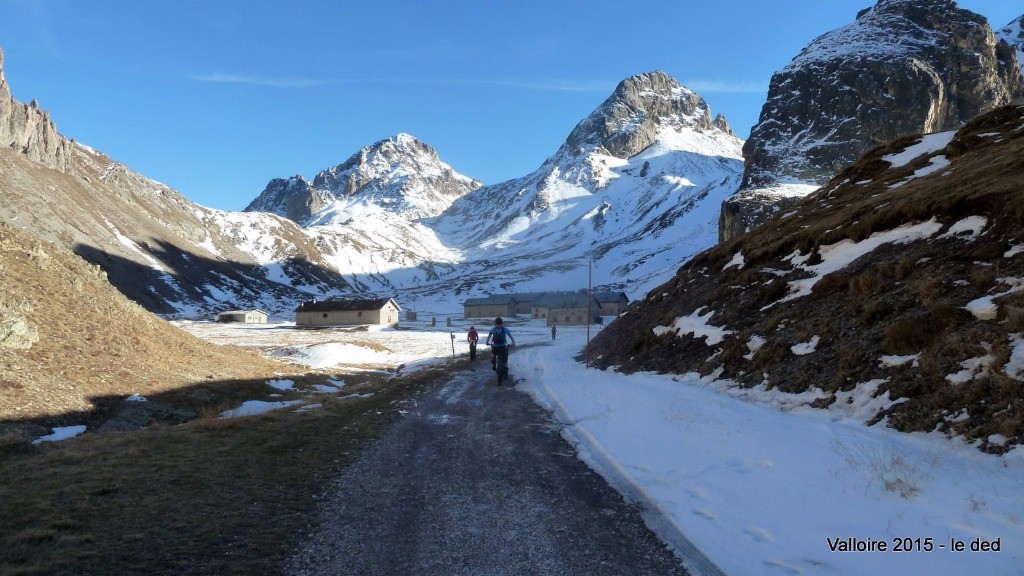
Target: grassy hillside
pixel 931 237
pixel 69 339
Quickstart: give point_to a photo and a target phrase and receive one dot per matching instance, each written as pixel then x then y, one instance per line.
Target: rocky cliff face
pixel 903 67
pixel 29 131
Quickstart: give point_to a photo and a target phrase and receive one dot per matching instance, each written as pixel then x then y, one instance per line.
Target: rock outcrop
pixel 903 67
pixel 29 130
pixel 294 198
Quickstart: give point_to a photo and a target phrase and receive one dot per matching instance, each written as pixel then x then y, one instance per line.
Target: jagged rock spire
pixel 29 130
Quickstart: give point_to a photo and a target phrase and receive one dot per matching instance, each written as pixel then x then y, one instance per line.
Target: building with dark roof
pixel 348 312
pixel 491 306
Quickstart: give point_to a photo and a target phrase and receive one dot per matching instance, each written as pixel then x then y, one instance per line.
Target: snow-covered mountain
pixel 635 189
pixel 365 213
pixel 902 67
pixel 400 175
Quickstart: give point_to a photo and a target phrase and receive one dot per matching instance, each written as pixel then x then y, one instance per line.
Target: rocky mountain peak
pixel 628 121
pixel 28 130
pixel 401 173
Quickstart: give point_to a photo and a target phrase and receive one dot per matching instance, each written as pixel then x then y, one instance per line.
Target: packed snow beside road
pixel 764 490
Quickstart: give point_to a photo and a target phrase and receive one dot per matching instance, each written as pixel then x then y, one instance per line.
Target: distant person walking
pixel 498 339
pixel 553 330
pixel 472 337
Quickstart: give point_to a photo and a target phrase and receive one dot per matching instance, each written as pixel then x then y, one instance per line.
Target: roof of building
pixel 563 299
pixel 243 312
pixel 569 300
pixel 496 299
pixel 610 296
pixel 346 305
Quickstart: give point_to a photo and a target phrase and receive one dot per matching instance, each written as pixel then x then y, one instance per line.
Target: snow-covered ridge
pixel 1013 34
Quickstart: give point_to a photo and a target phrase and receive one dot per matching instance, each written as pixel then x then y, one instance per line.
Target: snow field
pixel 761 490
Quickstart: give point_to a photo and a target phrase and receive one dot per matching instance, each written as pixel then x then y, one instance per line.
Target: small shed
pixel 491 306
pixel 254 316
pixel 348 312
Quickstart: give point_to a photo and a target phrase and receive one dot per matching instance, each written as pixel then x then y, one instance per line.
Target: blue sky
pixel 216 97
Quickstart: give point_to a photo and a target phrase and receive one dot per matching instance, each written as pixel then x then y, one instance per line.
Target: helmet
pixel 498 320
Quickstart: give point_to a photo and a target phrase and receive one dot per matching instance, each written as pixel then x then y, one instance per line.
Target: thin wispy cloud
pixel 555 85
pixel 702 86
pixel 221 78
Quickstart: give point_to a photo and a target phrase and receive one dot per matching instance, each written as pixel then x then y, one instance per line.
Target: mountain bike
pixel 501 366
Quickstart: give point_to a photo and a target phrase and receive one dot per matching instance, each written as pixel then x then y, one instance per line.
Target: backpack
pixel 498 337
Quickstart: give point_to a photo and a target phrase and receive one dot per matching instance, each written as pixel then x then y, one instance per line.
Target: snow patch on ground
pixel 61 433
pixel 254 407
pixel 929 144
pixel 805 348
pixel 972 224
pixel 985 308
pixel 697 325
pixel 837 256
pixel 892 361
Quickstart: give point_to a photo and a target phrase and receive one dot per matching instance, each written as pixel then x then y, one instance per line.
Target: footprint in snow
pixel 759 535
pixel 782 567
pixel 705 514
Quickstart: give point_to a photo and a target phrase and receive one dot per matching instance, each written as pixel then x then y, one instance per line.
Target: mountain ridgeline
pixel 641 184
pixel 902 67
pixel 632 188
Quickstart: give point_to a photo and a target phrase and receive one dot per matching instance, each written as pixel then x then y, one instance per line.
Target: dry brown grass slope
pixel 899 299
pixel 67 336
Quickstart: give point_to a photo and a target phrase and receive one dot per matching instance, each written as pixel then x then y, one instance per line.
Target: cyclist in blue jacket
pixel 498 339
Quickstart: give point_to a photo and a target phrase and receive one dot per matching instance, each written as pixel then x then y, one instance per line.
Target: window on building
pixel 325 314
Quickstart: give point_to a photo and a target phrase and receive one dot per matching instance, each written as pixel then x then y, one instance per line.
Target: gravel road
pixel 476 480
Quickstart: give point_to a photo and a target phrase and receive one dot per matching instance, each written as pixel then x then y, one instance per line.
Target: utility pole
pixel 590 274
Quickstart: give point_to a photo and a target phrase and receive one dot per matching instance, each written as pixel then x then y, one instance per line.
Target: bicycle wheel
pixel 501 369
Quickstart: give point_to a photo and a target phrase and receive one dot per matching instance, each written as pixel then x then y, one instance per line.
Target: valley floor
pixel 757 480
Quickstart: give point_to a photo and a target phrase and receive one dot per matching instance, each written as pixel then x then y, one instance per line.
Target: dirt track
pixel 476 479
